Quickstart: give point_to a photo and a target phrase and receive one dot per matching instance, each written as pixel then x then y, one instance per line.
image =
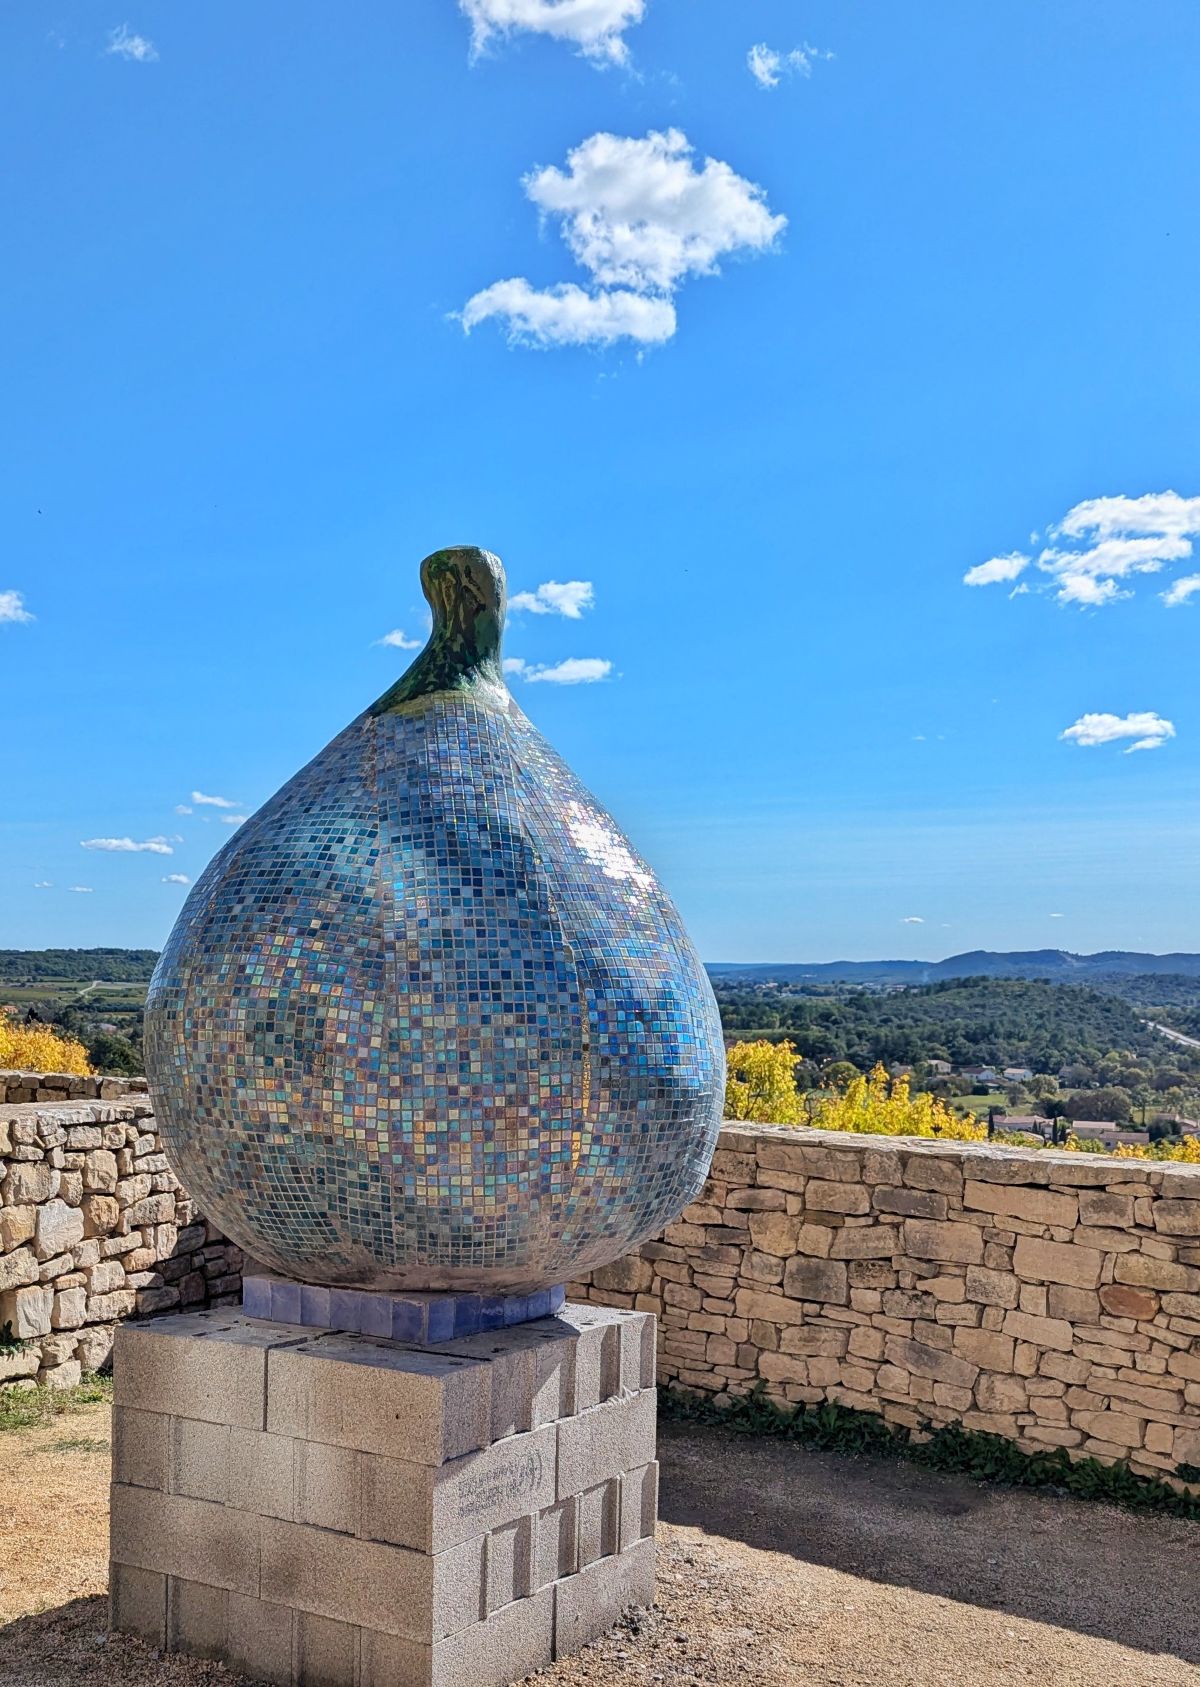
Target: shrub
pixel 761 1085
pixel 883 1106
pixel 35 1048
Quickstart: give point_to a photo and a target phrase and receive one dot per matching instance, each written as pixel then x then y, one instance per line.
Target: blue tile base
pixel 419 1319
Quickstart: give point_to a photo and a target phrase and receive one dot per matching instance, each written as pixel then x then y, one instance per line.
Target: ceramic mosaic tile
pixel 427 1021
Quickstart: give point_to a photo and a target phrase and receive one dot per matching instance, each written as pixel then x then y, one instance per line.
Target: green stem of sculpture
pixel 466 591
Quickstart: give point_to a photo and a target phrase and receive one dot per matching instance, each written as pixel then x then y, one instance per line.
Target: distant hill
pixel 1057 965
pixel 46 966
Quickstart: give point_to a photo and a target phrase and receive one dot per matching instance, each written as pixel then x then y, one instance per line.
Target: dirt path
pixel 777 1569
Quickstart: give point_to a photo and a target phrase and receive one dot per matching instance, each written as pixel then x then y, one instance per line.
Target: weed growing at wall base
pixel 956 1451
pixel 27 1408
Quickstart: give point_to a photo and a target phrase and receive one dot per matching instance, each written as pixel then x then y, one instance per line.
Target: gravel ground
pixel 777 1567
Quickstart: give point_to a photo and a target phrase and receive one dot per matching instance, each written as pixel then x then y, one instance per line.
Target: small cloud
pixel 202 801
pixel 182 808
pixel 1148 730
pixel 129 846
pixel 556 597
pixel 13 610
pixel 567 315
pixel 43 884
pixel 398 639
pixel 595 28
pixel 126 45
pixel 913 920
pixel 176 879
pixel 997 568
pixel 1180 592
pixel 768 66
pixel 234 819
pixel 1056 916
pixel 575 670
pixel 81 890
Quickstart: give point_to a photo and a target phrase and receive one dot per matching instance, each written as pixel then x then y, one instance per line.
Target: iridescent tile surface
pixel 427 1021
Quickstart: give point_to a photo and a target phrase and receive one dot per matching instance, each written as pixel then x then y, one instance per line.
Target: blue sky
pixel 851 328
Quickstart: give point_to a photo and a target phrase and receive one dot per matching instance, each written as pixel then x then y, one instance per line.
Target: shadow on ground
pixel 1074 1565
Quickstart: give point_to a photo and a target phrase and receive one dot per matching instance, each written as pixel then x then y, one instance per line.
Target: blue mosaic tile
pixel 427 1022
pixel 416 1319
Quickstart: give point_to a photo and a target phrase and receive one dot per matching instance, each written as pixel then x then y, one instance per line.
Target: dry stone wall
pixel 93 1228
pixel 1050 1298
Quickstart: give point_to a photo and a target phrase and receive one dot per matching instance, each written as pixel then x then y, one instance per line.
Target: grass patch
pixel 31 1408
pixel 81 1444
pixel 952 1449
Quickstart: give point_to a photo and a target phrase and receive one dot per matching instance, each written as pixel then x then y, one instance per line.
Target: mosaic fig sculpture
pixel 427 1021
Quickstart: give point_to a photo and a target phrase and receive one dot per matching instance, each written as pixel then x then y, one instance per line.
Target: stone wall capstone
pixel 93 1226
pixel 1053 1299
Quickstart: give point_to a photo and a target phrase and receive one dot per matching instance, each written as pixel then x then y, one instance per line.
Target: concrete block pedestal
pixel 348 1511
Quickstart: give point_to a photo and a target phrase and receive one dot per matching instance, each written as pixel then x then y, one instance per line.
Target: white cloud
pixel 997 568
pixel 1181 591
pixel 12 609
pixel 638 213
pixel 1095 553
pixel 1148 730
pixel 557 597
pixel 768 66
pixel 398 639
pixel 176 879
pixel 127 45
pixel 202 801
pixel 594 27
pixel 129 846
pixel 1056 916
pixel 575 670
pixel 913 920
pixel 641 217
pixel 43 884
pixel 182 808
pixel 234 819
pixel 568 315
pixel 81 890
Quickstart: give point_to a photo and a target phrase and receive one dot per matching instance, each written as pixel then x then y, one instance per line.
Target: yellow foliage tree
pixel 883 1106
pixel 35 1048
pixel 1187 1151
pixel 760 1085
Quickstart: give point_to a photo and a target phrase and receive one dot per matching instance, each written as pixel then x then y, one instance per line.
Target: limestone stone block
pixel 996 1393
pixel 29 1183
pixel 1146 1272
pixel 775 1233
pixel 105 1276
pixel 584 1603
pixel 66 1374
pixel 1077 1306
pixel 919 1359
pixel 100 1171
pixel 864 1242
pixel 28 1310
pixel 1177 1218
pixel 1057 1262
pixel 69 1308
pixel 57 1228
pixel 1106 1208
pixel 1117 1428
pixel 951 1243
pixel 199 1365
pixel 18 1365
pixel 94 1346
pixel 911 1203
pixel 1036 1206
pixel 18 1268
pixel 816 1280
pixel 989 1349
pixel 1040 1332
pixel 16 1226
pixel 821 1196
